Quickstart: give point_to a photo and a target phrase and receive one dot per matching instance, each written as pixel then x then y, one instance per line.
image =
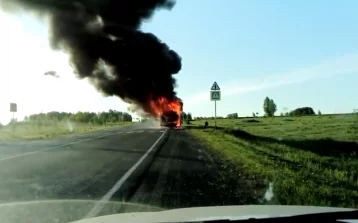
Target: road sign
pixel 215 87
pixel 13 107
pixel 215 95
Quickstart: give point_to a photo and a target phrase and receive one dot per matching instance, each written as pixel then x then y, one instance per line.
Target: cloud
pixel 338 66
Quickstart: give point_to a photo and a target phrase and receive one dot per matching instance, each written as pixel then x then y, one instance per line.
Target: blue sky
pixel 241 44
pixel 300 53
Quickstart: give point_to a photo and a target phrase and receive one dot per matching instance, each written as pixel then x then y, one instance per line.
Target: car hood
pixel 61 211
pixel 212 213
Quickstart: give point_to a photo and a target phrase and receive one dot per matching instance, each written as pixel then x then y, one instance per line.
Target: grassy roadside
pixel 49 130
pixel 303 168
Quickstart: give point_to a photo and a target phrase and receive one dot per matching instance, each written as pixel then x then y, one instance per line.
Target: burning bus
pixel 169 112
pixel 169 119
pixel 172 118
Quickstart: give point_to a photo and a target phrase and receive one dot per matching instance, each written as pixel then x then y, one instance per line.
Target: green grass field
pixel 23 130
pixel 308 160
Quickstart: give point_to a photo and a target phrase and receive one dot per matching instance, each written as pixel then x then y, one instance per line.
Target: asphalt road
pixel 155 166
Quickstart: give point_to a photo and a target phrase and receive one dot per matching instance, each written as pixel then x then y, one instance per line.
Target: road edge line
pixel 99 205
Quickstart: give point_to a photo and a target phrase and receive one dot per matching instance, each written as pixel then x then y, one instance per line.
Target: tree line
pixel 112 116
pixel 233 115
pixel 270 108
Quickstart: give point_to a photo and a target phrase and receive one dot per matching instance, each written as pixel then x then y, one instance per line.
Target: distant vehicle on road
pixel 136 120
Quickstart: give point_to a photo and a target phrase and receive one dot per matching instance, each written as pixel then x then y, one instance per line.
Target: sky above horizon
pixel 296 52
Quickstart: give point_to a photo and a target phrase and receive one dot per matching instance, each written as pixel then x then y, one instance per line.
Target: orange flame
pixel 162 105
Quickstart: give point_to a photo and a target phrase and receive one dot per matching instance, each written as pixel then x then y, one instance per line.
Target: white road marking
pixel 55 147
pixel 99 205
pixel 130 132
pixel 162 131
pixel 140 131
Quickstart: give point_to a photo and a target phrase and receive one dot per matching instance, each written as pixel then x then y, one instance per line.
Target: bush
pixel 251 121
pixel 302 111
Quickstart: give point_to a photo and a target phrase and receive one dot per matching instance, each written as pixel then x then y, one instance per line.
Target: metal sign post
pixel 13 109
pixel 215 95
pixel 215 114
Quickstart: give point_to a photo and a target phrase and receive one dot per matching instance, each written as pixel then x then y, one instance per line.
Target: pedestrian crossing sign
pixel 215 95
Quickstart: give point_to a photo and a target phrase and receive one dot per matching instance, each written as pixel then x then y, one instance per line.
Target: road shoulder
pixel 186 173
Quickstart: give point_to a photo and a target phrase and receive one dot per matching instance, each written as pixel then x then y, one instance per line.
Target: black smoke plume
pixel 105 44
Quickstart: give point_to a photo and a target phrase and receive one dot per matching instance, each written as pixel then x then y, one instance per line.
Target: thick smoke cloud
pixel 105 44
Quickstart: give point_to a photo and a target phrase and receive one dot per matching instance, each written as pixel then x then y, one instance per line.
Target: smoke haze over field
pixel 105 45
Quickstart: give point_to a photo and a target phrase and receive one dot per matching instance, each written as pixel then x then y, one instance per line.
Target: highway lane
pixel 72 167
pixel 154 166
pixel 10 148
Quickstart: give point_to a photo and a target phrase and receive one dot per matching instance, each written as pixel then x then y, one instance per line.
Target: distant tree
pixel 287 114
pixel 302 111
pixel 319 112
pixel 281 114
pixel 183 115
pixel 269 107
pixel 253 114
pixel 232 116
pixel 189 117
pixel 127 117
pixel 273 107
